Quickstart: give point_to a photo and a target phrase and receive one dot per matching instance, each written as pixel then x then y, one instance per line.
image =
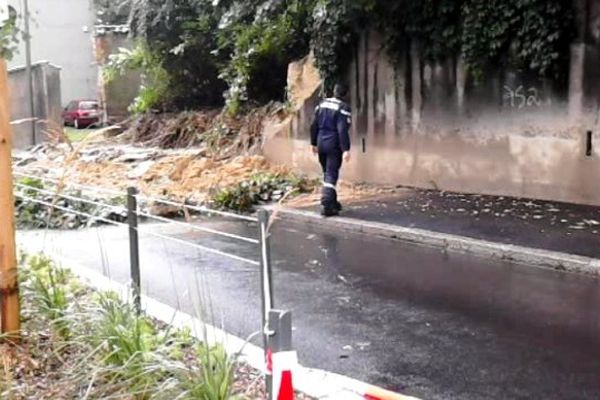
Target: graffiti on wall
pixel 521 97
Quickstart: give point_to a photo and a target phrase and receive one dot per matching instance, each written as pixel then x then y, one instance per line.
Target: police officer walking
pixel 330 139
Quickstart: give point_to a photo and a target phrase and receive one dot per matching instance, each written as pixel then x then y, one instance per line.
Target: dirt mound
pixel 220 134
pixel 195 178
pixel 184 174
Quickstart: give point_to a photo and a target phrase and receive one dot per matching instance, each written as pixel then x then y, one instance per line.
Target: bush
pixel 154 91
pixel 260 189
pixel 32 215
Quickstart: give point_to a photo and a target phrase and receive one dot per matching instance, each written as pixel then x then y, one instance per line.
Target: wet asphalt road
pixel 432 324
pixel 555 226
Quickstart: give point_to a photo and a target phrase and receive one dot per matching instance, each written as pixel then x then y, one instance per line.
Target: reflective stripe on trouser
pixel 329 197
pixel 331 161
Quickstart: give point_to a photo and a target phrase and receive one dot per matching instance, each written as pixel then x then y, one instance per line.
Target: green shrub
pixel 48 286
pixel 213 380
pixel 154 90
pixel 261 188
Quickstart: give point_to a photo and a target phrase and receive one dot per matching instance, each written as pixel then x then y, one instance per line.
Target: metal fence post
pixel 134 248
pixel 280 323
pixel 265 283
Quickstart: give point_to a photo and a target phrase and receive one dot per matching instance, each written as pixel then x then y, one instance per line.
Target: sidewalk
pixel 552 226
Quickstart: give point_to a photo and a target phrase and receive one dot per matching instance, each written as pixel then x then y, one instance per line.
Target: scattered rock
pixel 140 170
pixel 164 210
pixel 133 155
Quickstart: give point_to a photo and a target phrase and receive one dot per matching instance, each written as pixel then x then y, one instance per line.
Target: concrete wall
pixel 117 95
pixel 431 126
pixel 47 103
pixel 60 33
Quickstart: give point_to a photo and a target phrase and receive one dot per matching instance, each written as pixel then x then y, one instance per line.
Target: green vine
pixel 243 47
pixel 264 40
pixel 530 35
pixel 336 27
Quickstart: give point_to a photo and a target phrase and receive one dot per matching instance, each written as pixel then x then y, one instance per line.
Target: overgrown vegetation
pixel 243 47
pixel 81 344
pixel 260 189
pixel 32 215
pixel 112 12
pixel 155 79
pixel 531 35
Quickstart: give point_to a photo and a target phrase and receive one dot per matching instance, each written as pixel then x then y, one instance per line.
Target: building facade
pixel 61 33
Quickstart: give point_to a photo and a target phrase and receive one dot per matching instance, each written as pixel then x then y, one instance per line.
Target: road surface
pixel 414 319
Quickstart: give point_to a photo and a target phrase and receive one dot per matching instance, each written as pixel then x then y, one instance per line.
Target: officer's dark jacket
pixel 331 125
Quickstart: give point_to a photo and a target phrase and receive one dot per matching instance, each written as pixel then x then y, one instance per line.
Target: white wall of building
pixel 61 34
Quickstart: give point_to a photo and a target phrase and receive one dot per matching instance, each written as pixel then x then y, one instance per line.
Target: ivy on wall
pixel 335 29
pixel 243 47
pixel 531 35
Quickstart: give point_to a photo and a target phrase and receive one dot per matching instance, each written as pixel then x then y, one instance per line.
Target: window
pixel 88 105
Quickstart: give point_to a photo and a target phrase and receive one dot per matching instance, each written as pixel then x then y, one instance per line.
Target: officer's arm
pixel 314 128
pixel 344 122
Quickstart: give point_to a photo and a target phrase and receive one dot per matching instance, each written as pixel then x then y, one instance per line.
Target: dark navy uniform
pixel 330 133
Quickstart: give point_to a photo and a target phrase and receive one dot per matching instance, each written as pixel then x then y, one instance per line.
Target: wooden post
pixel 9 289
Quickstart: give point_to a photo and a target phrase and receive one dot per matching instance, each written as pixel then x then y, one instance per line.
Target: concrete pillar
pixel 576 81
pixel 401 77
pixel 417 84
pixel 371 65
pixel 582 19
pixel 461 83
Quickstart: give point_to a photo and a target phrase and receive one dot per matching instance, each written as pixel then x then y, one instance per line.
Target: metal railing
pixel 276 325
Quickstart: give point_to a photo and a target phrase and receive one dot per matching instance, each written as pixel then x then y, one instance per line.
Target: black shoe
pixel 329 212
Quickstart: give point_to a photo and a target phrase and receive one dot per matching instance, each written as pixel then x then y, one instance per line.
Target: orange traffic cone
pixel 286 390
pixel 284 364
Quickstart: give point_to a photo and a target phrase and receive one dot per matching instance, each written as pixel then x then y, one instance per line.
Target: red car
pixel 82 113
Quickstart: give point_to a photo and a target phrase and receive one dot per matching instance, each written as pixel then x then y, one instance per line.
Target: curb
pixel 455 243
pixel 315 383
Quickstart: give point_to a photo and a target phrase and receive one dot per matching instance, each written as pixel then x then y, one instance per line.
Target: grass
pixel 77 135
